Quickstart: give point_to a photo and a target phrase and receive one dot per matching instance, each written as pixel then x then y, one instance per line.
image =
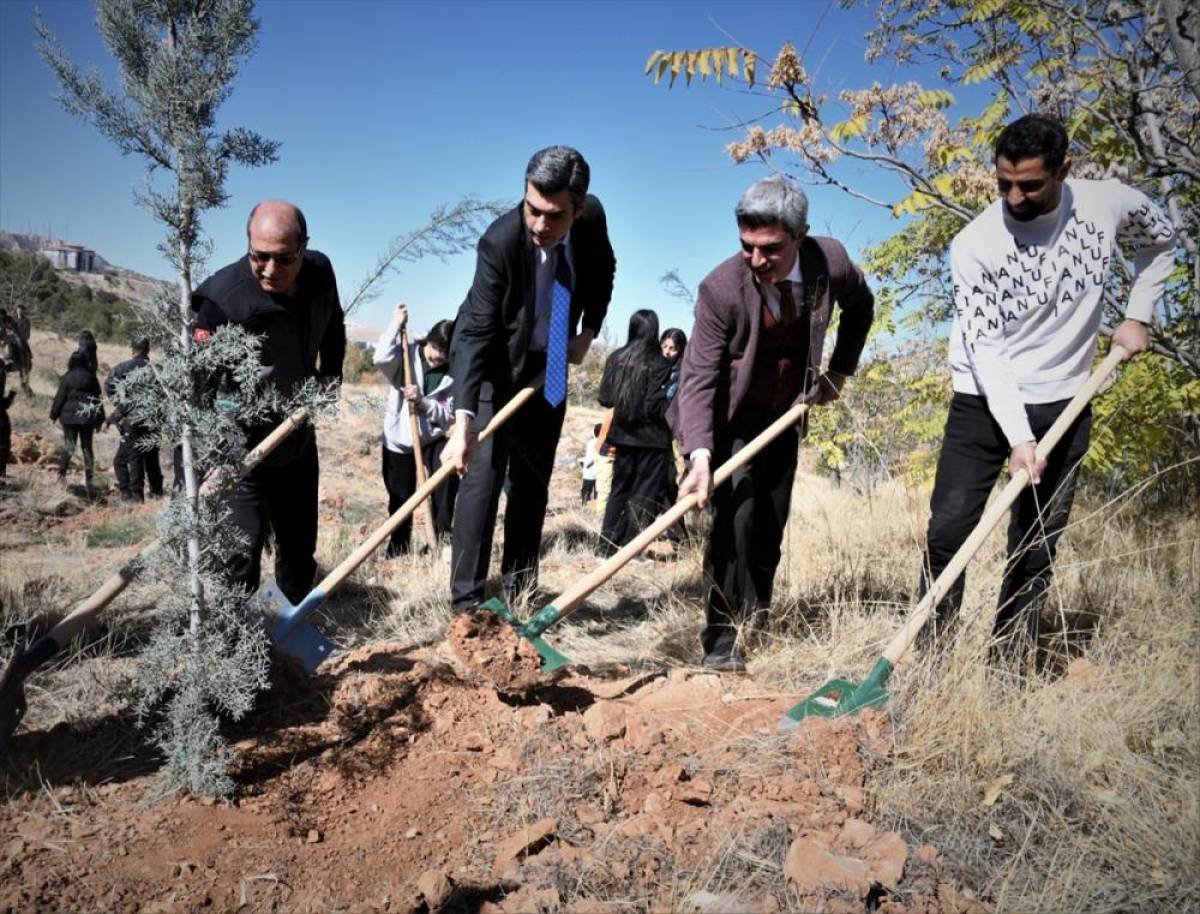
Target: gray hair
pixel 774 201
pixel 558 168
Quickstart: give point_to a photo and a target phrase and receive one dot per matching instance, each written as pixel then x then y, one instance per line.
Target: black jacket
pixel 495 321
pixel 646 426
pixel 119 371
pixel 78 396
pixel 303 336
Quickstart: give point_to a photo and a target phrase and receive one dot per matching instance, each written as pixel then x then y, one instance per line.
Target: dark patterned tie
pixel 787 304
pixel 555 389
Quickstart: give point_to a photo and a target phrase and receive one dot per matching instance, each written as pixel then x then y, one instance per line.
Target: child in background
pixel 587 463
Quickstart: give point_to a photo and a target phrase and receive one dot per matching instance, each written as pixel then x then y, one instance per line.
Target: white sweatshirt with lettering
pixel 1027 295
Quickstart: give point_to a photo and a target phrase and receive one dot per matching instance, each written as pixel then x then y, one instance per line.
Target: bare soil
pixel 490 647
pixel 388 783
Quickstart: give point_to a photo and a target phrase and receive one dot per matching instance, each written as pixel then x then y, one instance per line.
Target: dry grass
pixel 1102 810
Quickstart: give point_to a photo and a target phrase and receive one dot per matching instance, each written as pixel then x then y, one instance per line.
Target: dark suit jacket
pixel 720 353
pixel 495 322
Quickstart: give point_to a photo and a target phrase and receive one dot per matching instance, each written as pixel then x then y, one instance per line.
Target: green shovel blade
pixel 531 631
pixel 497 608
pixel 840 697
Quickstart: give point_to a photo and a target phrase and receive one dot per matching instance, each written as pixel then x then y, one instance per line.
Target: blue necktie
pixel 555 389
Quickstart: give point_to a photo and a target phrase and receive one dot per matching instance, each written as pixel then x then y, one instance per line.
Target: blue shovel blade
pixel 289 632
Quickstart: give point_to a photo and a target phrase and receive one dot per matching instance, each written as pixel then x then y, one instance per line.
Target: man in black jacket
pixel 136 461
pixel 542 270
pixel 287 295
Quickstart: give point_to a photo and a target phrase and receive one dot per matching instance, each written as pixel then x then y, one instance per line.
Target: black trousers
pixel 974 450
pixel 82 435
pixel 133 466
pixel 400 480
pixel 587 491
pixel 524 449
pixel 282 499
pixel 749 514
pixel 5 438
pixel 639 480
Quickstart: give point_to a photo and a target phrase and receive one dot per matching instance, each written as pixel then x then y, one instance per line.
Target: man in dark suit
pixel 287 295
pixel 755 350
pixel 543 281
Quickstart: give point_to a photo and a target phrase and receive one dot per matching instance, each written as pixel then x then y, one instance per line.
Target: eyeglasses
pixel 283 260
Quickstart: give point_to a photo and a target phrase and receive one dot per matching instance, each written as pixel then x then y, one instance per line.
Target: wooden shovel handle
pixel 382 532
pixel 414 429
pixel 76 620
pixel 996 511
pixel 571 599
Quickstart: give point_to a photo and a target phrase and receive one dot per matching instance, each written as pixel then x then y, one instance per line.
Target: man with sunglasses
pixel 287 295
pixel 755 350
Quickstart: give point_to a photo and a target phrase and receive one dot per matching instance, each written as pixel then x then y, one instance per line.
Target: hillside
pixel 136 288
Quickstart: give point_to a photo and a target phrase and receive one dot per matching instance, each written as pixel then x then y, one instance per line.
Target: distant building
pixel 74 257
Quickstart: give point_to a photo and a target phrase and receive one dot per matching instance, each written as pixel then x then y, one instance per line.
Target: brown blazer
pixel 720 353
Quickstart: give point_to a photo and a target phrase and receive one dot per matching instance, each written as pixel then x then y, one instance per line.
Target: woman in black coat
pixel 634 384
pixel 77 407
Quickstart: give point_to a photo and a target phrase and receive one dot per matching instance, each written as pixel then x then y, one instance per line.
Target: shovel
pixel 285 622
pixel 841 696
pixel 414 428
pixel 570 600
pixel 12 686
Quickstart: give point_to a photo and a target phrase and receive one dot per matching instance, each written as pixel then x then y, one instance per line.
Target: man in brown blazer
pixel 755 350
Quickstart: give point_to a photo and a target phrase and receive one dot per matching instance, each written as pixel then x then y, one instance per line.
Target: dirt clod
pixel 491 648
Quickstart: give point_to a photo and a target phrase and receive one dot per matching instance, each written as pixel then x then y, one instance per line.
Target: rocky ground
pixel 398 781
pixel 428 775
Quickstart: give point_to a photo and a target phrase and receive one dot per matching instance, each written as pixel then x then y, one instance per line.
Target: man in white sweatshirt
pixel 1028 276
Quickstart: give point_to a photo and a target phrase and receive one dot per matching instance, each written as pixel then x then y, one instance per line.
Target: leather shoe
pixel 725 663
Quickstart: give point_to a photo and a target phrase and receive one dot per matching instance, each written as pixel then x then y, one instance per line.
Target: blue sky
pixel 386 109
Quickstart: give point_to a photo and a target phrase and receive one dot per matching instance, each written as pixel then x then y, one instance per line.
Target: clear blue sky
pixel 386 109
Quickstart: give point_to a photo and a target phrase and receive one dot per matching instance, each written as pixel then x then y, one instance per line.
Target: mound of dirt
pixel 491 648
pixel 393 785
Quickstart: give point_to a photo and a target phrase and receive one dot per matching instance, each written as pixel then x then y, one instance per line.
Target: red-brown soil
pixel 491 648
pixel 388 783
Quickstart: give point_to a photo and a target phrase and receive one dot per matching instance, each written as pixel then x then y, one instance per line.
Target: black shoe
pixel 731 662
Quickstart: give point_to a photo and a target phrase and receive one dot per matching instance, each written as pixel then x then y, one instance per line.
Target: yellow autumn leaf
pixel 995 787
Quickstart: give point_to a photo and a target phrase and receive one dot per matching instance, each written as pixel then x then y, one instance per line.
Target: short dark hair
pixel 558 168
pixel 1034 136
pixel 140 344
pixel 301 222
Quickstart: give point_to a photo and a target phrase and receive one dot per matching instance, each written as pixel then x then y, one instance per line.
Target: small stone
pixel 526 841
pixel 435 886
pixel 604 721
pixel 696 793
pixel 412 833
pixel 926 853
pixel 314 837
pixel 810 867
pixel 856 833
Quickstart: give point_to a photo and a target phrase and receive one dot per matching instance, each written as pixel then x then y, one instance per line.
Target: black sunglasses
pixel 262 257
